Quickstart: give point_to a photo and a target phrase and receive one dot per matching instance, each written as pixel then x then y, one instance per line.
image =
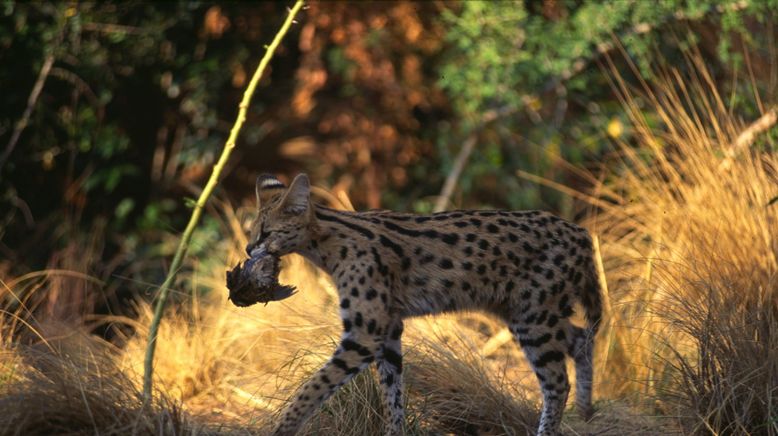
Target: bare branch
pixel 464 154
pixel 747 136
pixel 43 74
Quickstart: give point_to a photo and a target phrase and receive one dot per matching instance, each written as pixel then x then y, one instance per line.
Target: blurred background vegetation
pixel 373 99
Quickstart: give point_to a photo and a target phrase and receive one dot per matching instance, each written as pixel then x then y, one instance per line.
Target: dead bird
pixel 256 281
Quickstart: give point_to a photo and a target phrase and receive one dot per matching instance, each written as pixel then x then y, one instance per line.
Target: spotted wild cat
pixel 527 268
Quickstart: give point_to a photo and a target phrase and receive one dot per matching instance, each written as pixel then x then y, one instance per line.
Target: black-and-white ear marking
pixel 265 183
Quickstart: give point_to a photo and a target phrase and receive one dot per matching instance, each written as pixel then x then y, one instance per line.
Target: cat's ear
pixel 297 198
pixel 267 186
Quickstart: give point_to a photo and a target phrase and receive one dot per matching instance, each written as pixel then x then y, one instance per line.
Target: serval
pixel 527 268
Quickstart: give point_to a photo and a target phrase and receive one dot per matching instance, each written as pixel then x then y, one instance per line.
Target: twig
pixel 606 299
pixel 148 363
pixel 611 336
pixel 762 124
pixel 111 28
pixel 496 341
pixel 456 171
pixel 747 136
pixel 31 101
pixel 81 85
pixel 464 154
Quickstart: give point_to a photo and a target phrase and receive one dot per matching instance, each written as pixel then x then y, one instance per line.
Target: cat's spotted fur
pixel 528 268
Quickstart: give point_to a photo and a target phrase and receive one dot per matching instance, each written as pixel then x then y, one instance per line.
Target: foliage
pixel 129 115
pixel 140 96
pixel 539 58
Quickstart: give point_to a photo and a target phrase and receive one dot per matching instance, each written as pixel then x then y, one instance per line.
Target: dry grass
pixel 222 369
pixel 71 384
pixel 689 252
pixel 691 248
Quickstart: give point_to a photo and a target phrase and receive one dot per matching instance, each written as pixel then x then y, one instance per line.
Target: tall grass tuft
pixel 457 391
pixel 690 244
pixel 73 386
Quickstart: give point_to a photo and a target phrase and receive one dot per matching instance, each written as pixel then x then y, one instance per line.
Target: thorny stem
pixel 183 245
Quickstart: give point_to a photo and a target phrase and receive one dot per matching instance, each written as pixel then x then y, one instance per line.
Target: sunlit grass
pixel 691 256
